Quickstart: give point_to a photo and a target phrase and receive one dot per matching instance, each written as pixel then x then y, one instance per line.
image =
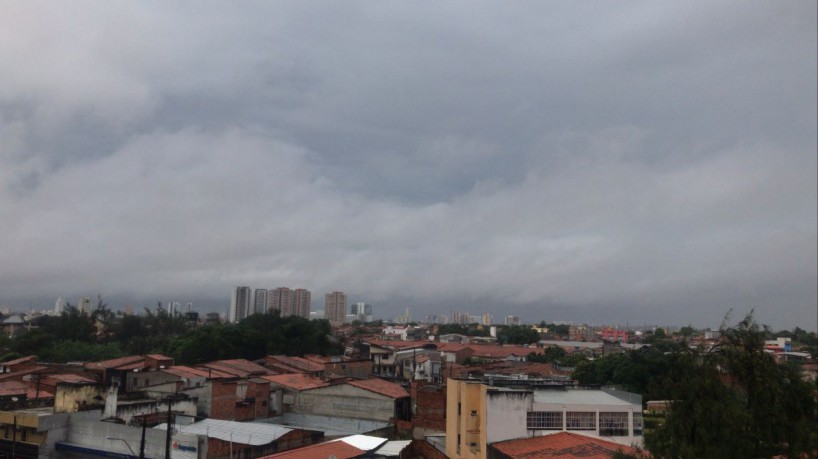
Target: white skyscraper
pixel 59 306
pixel 239 304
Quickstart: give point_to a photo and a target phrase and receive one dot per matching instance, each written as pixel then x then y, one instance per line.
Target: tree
pixel 518 334
pixel 735 401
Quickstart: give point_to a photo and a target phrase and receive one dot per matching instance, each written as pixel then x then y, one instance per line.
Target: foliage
pixel 103 335
pixel 558 356
pixel 517 334
pixel 468 330
pixel 735 401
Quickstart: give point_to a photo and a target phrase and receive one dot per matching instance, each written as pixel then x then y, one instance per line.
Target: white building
pixel 239 304
pixel 482 414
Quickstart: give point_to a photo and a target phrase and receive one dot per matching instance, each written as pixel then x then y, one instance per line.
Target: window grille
pixel 544 420
pixel 613 424
pixel 581 420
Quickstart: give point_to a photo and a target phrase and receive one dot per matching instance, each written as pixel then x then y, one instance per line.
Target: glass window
pixel 581 420
pixel 544 420
pixel 613 424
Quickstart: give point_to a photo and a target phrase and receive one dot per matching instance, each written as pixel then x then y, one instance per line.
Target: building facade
pixel 280 299
pixel 301 299
pixel 259 301
pixel 239 304
pixel 335 307
pixel 479 415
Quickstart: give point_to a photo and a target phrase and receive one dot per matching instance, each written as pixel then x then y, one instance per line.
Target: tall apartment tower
pixel 280 299
pixel 239 304
pixel 362 312
pixel 335 307
pixel 259 301
pixel 301 298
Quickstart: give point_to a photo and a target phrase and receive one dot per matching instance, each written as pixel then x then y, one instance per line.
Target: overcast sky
pixel 604 162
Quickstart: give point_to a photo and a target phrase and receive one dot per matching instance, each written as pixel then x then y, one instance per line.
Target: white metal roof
pixel 393 448
pixel 364 442
pixel 578 397
pixel 247 433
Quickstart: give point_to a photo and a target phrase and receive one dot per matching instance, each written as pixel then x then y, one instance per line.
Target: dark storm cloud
pixel 598 162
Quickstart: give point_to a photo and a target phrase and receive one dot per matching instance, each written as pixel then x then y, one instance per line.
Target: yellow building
pixel 478 414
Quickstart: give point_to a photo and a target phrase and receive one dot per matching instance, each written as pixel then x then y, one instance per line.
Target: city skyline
pixel 630 162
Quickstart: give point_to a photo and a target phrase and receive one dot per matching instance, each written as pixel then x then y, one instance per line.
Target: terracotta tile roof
pixel 19 374
pixel 379 386
pixel 33 393
pixel 562 445
pixel 13 388
pixel 451 347
pixel 238 367
pixel 188 372
pixel 338 449
pixel 114 363
pixel 398 344
pixel 71 378
pixel 285 364
pixel 18 361
pixel 491 351
pixel 159 357
pixel 297 381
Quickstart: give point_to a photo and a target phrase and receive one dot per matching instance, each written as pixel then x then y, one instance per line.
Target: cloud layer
pixel 622 163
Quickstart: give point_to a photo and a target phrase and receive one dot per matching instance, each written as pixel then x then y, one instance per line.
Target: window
pixel 581 420
pixel 544 420
pixel 613 424
pixel 637 423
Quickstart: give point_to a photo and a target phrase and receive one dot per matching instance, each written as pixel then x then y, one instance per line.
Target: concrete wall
pixel 127 411
pixel 345 401
pixel 506 415
pixel 463 428
pixel 71 398
pixel 100 435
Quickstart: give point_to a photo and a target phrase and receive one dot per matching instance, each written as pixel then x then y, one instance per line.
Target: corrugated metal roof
pixel 364 442
pixel 578 397
pixel 393 448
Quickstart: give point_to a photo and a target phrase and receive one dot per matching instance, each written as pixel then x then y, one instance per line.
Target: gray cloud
pixel 634 162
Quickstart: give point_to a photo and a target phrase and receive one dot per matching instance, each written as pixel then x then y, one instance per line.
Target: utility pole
pixel 142 442
pixel 14 438
pixel 167 437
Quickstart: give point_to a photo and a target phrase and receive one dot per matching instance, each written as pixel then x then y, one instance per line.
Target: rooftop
pixel 298 381
pixel 562 445
pixel 579 397
pixel 247 433
pixel 380 386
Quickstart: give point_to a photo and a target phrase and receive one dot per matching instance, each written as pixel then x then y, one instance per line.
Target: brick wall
pixel 430 406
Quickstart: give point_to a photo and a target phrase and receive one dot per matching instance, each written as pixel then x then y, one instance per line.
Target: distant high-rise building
pixel 59 306
pixel 239 304
pixel 85 306
pixel 259 301
pixel 405 318
pixel 512 320
pixel 189 307
pixel 280 299
pixel 174 308
pixel 301 299
pixel 486 319
pixel 362 311
pixel 335 307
